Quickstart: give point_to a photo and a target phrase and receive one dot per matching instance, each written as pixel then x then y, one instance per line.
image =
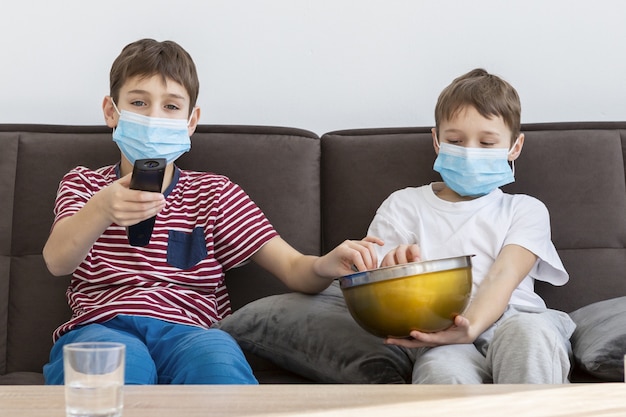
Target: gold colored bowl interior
pixel 426 302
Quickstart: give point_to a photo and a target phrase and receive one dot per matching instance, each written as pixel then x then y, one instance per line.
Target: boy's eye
pixel 138 103
pixel 172 107
pixel 487 144
pixel 453 141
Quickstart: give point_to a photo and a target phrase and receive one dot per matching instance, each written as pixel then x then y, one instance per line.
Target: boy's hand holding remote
pixel 147 176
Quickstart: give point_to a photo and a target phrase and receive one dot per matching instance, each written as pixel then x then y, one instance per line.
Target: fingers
pixel 389 259
pixel 125 180
pixel 416 339
pixel 461 322
pixel 401 255
pixel 131 216
pixel 407 253
pixel 364 255
pixel 142 205
pixel 414 254
pixel 126 194
pixel 373 239
pixel 410 342
pixel 126 207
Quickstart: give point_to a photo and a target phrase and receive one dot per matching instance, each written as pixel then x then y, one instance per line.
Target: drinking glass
pixel 94 377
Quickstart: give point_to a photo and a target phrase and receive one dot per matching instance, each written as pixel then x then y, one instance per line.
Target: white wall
pixel 320 64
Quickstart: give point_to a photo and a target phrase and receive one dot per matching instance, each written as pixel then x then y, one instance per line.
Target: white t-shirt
pixel 480 227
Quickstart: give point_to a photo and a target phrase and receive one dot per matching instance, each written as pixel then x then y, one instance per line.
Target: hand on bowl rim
pixel 364 255
pixel 350 254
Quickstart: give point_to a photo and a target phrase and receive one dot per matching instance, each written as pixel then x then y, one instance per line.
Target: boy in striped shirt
pixel 161 299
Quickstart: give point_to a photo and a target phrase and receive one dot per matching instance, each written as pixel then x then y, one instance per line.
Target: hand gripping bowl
pixel 424 296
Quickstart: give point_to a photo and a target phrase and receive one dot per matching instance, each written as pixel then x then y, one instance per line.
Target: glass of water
pixel 94 377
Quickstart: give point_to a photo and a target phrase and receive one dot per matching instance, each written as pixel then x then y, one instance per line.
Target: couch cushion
pixel 316 337
pixel 22 378
pixel 599 341
pixel 8 161
pixel 582 184
pixel 361 168
pixel 36 304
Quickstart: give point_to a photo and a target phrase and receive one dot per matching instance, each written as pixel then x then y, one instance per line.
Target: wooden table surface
pixel 573 400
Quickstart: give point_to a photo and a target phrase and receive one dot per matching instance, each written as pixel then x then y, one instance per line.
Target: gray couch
pixel 318 192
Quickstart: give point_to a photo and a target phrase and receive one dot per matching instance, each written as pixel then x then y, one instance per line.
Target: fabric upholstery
pixel 278 167
pixel 317 193
pixel 316 337
pixel 599 340
pixel 582 184
pixel 577 170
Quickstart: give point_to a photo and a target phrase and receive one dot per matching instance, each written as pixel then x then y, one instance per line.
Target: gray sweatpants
pixel 525 346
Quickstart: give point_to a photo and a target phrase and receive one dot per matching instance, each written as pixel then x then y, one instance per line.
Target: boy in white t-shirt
pixel 506 335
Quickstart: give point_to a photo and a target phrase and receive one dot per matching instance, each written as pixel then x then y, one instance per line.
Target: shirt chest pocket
pixel 184 250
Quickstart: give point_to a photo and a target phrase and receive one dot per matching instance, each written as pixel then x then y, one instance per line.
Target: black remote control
pixel 147 176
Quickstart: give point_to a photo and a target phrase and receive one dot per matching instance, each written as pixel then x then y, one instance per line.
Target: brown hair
pixel 487 93
pixel 147 57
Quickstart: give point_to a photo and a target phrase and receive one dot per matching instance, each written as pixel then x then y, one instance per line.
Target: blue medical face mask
pixel 473 172
pixel 143 137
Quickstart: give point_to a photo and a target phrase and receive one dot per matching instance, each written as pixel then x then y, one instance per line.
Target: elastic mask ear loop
pixel 116 110
pixel 437 142
pixel 513 161
pixel 191 116
pixel 115 107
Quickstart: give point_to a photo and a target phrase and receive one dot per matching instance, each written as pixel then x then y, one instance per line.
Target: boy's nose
pixel 157 113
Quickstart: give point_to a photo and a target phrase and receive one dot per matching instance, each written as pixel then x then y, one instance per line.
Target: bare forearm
pixel 312 274
pixel 295 270
pixel 72 238
pixel 485 309
pixel 305 279
pixel 494 294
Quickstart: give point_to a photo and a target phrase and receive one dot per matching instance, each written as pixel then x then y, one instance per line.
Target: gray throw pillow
pixel 599 341
pixel 316 337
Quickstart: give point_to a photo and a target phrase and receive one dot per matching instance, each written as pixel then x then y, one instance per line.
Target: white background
pixel 320 65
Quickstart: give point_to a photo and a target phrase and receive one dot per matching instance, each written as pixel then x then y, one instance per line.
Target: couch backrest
pixel 576 169
pixel 278 167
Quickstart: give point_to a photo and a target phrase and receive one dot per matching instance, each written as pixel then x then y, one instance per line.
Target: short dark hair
pixel 489 94
pixel 147 57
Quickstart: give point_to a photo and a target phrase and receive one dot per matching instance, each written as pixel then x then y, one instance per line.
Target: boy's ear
pixel 433 132
pixel 110 115
pixel 516 150
pixel 193 120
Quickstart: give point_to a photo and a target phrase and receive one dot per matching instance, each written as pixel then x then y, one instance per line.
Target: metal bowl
pixel 424 296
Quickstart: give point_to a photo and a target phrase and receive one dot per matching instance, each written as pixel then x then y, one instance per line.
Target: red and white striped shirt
pixel 208 226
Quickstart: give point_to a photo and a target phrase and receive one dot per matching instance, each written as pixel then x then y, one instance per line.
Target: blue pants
pixel 159 352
